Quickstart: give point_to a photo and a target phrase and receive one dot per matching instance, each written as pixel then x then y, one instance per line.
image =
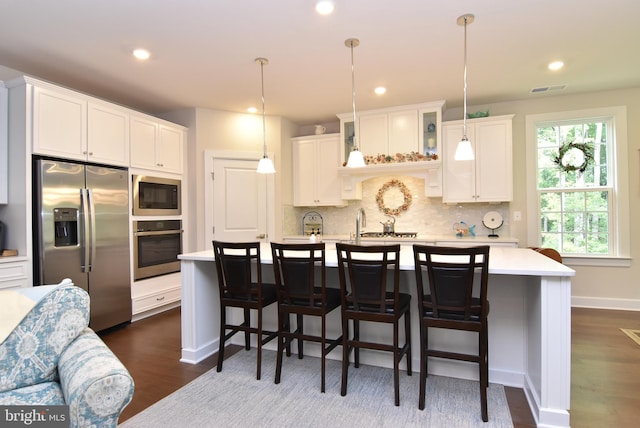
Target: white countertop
pixel 502 260
pixel 9 259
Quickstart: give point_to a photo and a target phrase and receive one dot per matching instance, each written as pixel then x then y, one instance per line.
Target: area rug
pixel 234 398
pixel 633 334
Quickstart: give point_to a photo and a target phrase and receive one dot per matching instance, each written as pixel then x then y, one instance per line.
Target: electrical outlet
pixel 517 216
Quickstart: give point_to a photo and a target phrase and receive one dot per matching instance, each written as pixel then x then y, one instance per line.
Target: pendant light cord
pixel 264 120
pixel 464 125
pixel 353 96
pixel 352 43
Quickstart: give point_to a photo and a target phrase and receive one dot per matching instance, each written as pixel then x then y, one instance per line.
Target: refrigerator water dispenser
pixel 65 226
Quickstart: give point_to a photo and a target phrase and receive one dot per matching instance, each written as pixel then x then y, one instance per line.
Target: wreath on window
pixel 405 193
pixel 574 156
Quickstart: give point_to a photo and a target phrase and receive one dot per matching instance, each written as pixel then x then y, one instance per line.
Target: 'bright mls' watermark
pixel 34 416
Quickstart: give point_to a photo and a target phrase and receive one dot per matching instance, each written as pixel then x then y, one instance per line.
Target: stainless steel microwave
pixel 156 196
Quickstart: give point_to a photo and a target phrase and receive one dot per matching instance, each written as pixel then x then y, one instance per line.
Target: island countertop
pixel 502 260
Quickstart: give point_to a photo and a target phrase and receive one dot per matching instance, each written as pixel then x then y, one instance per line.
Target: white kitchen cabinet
pixel 59 123
pixel 169 150
pixel 14 273
pixel 373 136
pixel 388 133
pixel 429 130
pixel 403 132
pixel 316 160
pixel 156 145
pixel 108 134
pixel 154 295
pixel 392 130
pixel 73 126
pixel 487 178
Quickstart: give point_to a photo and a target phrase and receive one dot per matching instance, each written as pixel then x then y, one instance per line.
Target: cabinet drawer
pixel 157 299
pixel 13 283
pixel 13 270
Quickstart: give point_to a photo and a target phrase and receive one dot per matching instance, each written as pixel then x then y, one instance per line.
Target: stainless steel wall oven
pixel 156 246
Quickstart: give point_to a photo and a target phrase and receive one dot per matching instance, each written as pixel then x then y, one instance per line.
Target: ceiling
pixel 203 51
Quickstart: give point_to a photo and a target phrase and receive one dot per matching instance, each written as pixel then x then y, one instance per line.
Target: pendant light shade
pixel 356 159
pixel 265 166
pixel 464 151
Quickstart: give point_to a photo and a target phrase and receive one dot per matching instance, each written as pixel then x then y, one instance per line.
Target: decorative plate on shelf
pixel 492 220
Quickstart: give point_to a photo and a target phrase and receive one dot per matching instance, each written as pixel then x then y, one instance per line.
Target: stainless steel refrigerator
pixel 81 231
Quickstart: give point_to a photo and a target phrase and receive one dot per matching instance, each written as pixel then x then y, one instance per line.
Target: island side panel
pixel 200 316
pixel 548 374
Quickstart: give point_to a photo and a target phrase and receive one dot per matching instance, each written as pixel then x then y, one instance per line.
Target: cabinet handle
pixel 159 299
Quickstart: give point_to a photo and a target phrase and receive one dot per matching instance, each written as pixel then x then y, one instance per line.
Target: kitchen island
pixel 529 324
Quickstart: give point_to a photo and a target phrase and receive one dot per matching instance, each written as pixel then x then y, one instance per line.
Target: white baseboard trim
pixel 605 303
pixel 154 311
pixel 194 356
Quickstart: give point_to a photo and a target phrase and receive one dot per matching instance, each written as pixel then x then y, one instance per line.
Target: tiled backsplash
pixel 425 216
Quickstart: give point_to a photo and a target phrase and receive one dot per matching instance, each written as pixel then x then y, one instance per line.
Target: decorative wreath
pixel 568 162
pixel 405 192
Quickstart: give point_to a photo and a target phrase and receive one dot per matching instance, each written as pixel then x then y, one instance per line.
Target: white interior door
pixel 239 201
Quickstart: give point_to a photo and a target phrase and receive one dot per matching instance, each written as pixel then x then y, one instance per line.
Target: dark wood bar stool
pixel 300 277
pixel 364 272
pixel 445 279
pixel 240 283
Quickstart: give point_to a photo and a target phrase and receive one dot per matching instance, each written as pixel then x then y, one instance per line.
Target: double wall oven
pixel 156 242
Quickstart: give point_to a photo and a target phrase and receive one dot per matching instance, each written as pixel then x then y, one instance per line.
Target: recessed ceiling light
pixel 555 65
pixel 380 90
pixel 324 7
pixel 141 54
pixel 252 110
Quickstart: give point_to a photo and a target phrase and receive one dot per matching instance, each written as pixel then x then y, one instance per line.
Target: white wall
pixel 234 132
pixel 606 287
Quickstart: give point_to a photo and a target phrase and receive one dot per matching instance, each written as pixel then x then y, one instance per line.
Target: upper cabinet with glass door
pixel 430 133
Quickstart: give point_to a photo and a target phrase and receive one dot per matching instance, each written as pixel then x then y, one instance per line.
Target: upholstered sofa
pixel 49 356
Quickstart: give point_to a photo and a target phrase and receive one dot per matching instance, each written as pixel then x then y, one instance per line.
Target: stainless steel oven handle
pixel 158 232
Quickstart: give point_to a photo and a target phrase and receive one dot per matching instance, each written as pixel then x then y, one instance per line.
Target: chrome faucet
pixel 360 216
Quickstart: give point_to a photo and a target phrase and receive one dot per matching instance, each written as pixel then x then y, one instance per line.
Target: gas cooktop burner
pixel 388 235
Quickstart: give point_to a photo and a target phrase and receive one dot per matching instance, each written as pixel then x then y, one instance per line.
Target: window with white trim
pixel 578 188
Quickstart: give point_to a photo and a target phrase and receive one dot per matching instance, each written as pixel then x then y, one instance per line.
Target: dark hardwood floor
pixel 604 376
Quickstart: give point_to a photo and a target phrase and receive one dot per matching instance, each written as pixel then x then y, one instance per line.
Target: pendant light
pixel 464 151
pixel 356 160
pixel 265 166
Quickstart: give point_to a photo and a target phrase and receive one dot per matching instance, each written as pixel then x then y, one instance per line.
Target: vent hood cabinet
pixel 403 130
